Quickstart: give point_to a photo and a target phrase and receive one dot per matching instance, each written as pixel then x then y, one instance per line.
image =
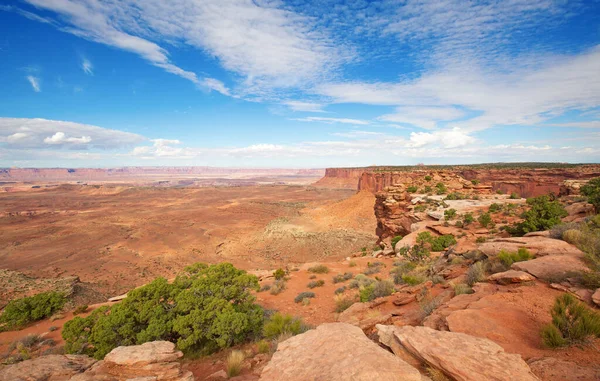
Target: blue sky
pixel 270 83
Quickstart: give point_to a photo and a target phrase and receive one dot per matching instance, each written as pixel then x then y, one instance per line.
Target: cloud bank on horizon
pixel 298 83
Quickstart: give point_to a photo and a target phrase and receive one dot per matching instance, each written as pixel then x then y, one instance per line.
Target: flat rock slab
pixel 460 356
pixel 538 246
pixel 364 315
pixel 551 267
pixel 335 352
pixel 51 367
pixel 511 276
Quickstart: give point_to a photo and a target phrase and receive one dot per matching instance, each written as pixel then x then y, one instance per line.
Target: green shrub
pixel 499 191
pixel 476 273
pixel 427 189
pixel 572 323
pixel 279 274
pixel 400 269
pixel 449 214
pixel 376 290
pixel 352 264
pixel 427 178
pixel 360 280
pixel 468 219
pixel 494 208
pixel 542 215
pixel 441 188
pixel 508 258
pixel 395 240
pixel 485 220
pixel 480 239
pixel 303 295
pixel 20 312
pixel 514 196
pixel 442 242
pixel 204 309
pixel 315 283
pixel 420 208
pixel 592 191
pixel 320 269
pixel 342 277
pixel 455 196
pixel 475 182
pixel 412 280
pixel 412 189
pixel 263 346
pixel 572 236
pixel 280 324
pixel 417 253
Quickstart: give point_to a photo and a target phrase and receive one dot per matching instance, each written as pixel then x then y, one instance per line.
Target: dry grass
pixel 234 363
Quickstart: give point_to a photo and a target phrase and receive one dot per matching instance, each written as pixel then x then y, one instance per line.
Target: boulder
pixel 51 367
pixel 511 276
pixel 459 356
pixel 551 267
pixel 335 352
pixel 553 369
pixel 538 246
pixel 156 361
pixel 596 297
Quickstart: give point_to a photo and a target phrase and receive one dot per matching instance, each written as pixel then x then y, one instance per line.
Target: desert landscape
pixel 378 248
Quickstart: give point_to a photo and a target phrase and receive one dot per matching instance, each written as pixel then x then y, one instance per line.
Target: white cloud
pixel 22 133
pixel 215 84
pixel 35 83
pixel 452 138
pixel 304 106
pixel 332 120
pixel 87 67
pixel 424 117
pixel 61 138
pixel 267 45
pixel 523 96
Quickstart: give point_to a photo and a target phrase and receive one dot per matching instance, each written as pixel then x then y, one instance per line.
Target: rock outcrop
pixel 332 352
pixel 537 246
pixel 457 355
pixel 551 267
pixel 153 361
pixel 511 276
pixel 553 369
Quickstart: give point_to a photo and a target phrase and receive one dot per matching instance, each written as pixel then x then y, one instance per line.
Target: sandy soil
pixel 119 237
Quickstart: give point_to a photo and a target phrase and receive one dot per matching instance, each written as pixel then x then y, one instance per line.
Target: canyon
pixel 98 239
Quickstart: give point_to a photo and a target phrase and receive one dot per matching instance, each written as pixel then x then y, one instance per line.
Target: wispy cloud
pixel 86 66
pixel 34 82
pixel 332 120
pixel 268 46
pixel 304 106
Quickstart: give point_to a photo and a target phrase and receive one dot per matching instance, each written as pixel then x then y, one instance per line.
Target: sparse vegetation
pixel 315 283
pixel 441 188
pixel 508 258
pixel 352 264
pixel 204 309
pixel 428 304
pixel 279 274
pixel 449 214
pixel 468 219
pixel 476 273
pixel 263 346
pixel 342 277
pixel 427 178
pixel 303 295
pixel 376 290
pixel 412 280
pixel 485 220
pixel 395 240
pixel 462 288
pixel 277 287
pixel 412 189
pixel 320 269
pixel 494 208
pixel 475 182
pixel 340 290
pixel 20 312
pixel 401 269
pixel 514 196
pixel 572 323
pixel 360 280
pixel 480 239
pixel 342 303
